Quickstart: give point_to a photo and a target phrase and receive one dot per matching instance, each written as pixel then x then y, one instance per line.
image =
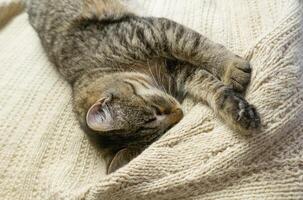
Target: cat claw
pixel 248 117
pixel 239 113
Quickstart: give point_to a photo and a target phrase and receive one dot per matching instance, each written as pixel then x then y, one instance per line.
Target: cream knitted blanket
pixel 45 155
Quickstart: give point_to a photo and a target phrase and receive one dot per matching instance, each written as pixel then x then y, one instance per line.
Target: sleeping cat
pixel 129 74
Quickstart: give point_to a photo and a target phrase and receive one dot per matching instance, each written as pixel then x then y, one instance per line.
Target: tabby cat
pixel 129 73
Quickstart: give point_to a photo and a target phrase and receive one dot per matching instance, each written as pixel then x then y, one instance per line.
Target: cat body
pixel 129 74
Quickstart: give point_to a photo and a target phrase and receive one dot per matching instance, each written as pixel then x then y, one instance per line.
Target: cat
pixel 130 73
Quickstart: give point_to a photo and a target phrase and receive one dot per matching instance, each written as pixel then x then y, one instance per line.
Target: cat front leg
pixel 188 45
pixel 226 103
pixel 139 40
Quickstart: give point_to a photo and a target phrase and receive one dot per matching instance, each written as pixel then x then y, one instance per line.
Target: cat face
pixel 135 108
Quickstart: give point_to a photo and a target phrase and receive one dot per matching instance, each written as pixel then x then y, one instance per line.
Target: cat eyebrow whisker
pixel 160 77
pixel 159 85
pixel 169 86
pixel 153 77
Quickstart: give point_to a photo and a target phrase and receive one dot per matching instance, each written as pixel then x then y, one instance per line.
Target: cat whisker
pixel 160 78
pixel 169 86
pixel 153 77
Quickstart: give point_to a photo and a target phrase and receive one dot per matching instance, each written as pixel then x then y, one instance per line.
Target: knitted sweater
pixel 45 155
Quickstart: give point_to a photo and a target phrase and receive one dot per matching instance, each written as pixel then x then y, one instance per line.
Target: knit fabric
pixel 45 155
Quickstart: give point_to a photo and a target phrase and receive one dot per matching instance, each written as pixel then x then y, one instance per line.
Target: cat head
pixel 130 108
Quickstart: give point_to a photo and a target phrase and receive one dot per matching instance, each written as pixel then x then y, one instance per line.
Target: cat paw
pixel 237 74
pixel 238 113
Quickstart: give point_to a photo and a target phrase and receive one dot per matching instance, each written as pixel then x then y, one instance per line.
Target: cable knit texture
pixel 45 155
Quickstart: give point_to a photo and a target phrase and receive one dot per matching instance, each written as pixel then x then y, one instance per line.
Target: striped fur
pixel 137 70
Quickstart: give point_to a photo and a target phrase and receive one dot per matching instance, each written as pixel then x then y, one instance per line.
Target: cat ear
pixel 121 158
pixel 99 117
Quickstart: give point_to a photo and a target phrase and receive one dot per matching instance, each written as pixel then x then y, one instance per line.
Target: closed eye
pixel 151 120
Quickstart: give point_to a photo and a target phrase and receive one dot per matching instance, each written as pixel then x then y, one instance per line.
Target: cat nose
pixel 160 111
pixel 170 116
pixel 175 115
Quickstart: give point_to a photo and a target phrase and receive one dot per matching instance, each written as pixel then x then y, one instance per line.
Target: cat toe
pixel 243 65
pixel 238 74
pixel 247 118
pixel 238 113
